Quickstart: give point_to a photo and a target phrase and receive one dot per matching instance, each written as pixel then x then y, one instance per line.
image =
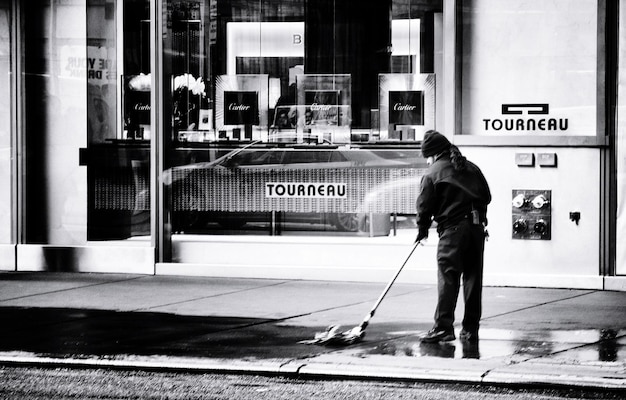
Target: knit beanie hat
pixel 434 143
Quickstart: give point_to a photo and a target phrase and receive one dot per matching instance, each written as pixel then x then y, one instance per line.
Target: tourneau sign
pixel 525 117
pixel 305 190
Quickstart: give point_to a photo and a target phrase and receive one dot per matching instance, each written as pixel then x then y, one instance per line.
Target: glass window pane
pixel 54 100
pixel 529 67
pixel 291 102
pixel 84 181
pixel 119 130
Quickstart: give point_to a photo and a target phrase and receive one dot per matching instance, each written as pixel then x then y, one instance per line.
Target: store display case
pixel 118 189
pixel 324 107
pixel 320 113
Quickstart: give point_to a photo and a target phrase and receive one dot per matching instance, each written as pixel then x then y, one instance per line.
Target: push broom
pixel 333 336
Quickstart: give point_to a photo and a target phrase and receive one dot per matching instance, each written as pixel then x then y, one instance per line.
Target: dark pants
pixel 460 254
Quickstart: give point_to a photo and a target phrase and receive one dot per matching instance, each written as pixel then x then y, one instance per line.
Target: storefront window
pixel 529 67
pixel 282 114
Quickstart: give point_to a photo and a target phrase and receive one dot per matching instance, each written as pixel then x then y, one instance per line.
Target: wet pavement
pixel 528 336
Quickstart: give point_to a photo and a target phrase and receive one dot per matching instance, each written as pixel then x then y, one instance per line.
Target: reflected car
pixel 262 158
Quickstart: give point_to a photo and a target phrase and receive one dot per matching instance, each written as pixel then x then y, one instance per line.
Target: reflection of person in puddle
pixel 469 349
pixel 607 346
pixel 455 194
pixel 445 350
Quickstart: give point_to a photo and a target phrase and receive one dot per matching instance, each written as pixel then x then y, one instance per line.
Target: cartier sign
pixel 238 107
pixel 241 108
pixel 406 107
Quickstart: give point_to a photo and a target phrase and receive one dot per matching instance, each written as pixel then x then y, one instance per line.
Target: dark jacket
pixel 448 196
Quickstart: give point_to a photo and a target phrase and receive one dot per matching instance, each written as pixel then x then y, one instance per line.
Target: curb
pixel 529 374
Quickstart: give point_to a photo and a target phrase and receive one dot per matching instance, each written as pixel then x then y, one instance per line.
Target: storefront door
pixel 74 151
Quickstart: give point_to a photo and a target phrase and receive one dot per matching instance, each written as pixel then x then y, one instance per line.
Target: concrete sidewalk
pixel 574 338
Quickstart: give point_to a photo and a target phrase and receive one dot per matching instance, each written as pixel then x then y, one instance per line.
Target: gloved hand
pixel 422 234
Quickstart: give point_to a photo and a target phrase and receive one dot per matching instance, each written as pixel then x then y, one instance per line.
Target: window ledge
pixel 531 141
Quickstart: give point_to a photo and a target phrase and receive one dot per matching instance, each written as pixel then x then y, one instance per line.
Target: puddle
pixel 580 345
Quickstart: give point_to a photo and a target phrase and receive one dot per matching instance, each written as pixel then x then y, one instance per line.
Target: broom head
pixel 334 337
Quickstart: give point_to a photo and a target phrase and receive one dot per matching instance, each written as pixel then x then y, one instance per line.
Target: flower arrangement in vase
pixel 188 93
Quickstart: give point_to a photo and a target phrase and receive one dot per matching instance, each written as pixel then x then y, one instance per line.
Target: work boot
pixel 439 335
pixel 468 336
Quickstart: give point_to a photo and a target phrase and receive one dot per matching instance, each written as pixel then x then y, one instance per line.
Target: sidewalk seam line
pixel 208 297
pixel 539 305
pixel 70 289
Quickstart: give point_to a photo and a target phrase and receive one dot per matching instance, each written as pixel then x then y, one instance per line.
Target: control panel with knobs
pixel 531 214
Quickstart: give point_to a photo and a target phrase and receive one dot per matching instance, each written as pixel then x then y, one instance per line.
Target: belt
pixel 464 218
pixel 482 219
pixel 470 218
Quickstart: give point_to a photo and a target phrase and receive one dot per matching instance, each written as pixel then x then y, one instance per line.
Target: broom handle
pixel 384 293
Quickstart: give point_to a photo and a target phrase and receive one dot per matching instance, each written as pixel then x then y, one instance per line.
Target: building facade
pixel 281 138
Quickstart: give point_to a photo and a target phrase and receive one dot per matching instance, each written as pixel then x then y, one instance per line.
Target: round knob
pixel 540 201
pixel 541 227
pixel 520 226
pixel 519 201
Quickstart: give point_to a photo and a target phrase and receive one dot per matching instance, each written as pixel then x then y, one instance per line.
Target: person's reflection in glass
pixel 282 121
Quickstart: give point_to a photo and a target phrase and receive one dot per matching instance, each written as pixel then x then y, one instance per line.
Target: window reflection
pixel 295 83
pixel 117 153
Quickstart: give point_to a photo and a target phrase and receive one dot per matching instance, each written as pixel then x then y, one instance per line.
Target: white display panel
pixel 529 68
pixel 407 106
pixel 238 98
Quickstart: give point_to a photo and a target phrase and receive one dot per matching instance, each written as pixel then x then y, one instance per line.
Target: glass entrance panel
pixel 54 98
pixel 117 154
pixel 86 181
pixel 275 116
pixel 85 178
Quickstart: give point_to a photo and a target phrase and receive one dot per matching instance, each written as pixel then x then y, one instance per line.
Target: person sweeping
pixel 454 193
